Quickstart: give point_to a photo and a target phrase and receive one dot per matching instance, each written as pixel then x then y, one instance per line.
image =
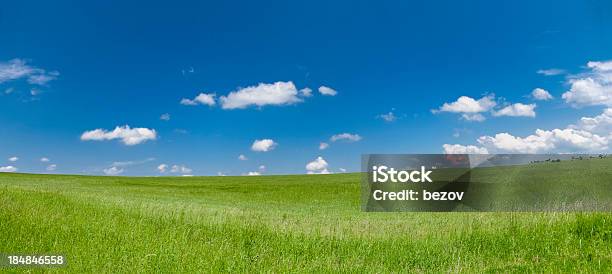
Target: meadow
pixel 293 223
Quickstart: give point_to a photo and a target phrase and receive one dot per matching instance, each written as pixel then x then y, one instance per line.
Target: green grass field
pixel 285 224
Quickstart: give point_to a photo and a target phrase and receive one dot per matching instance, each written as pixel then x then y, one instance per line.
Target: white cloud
pixel 345 136
pixel 221 174
pixel 262 168
pixel 279 93
pixel 306 92
pixel 253 173
pixel 51 167
pixel 165 117
pixel 589 135
pixel 241 157
pixel 517 110
pixel 131 163
pixel 317 166
pixel 559 140
pixel 18 68
pixel 44 159
pixel 541 94
pixel 113 170
pixel 465 104
pixel 327 91
pixel 180 169
pixel 13 159
pixel 551 71
pixel 476 117
pixel 202 99
pixel 128 136
pixel 342 170
pixel 162 168
pixel 323 146
pixel 389 117
pixel 591 88
pixel 601 124
pixel 460 149
pixel 8 169
pixel 263 145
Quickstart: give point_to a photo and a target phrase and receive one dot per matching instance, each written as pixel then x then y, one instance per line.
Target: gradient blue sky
pixel 128 63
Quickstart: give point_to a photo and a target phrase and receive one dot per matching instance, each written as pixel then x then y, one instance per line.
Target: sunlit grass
pixel 279 224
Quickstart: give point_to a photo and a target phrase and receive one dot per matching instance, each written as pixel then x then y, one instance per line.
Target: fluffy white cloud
pixel 253 173
pixel 8 169
pixel 541 94
pixel 113 170
pixel 202 99
pixel 279 93
pixel 180 169
pixel 460 149
pixel 600 124
pixel 45 160
pixel 306 92
pixel 162 168
pixel 556 140
pixel 465 104
pixel 165 117
pixel 241 157
pixel 517 110
pixel 128 136
pixel 327 91
pixel 323 146
pixel 345 136
pixel 389 117
pixel 476 117
pixel 589 135
pixel 13 159
pixel 591 88
pixel 317 166
pixel 263 145
pixel 18 68
pixel 551 72
pixel 51 167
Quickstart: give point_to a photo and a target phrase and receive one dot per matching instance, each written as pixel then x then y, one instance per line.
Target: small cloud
pixel 551 71
pixel 541 94
pixel 165 117
pixel 517 110
pixel 263 145
pixel 128 136
pixel 342 170
pixel 253 173
pixel 345 136
pixel 241 157
pixel 306 92
pixel 9 90
pixel 262 168
pixel 16 69
pixel 389 117
pixel 8 169
pixel 476 117
pixel 45 160
pixel 327 91
pixel 113 170
pixel 162 168
pixel 465 104
pixel 202 99
pixel 35 91
pixel 51 167
pixel 323 146
pixel 13 159
pixel 180 169
pixel 317 166
pixel 221 174
pixel 279 93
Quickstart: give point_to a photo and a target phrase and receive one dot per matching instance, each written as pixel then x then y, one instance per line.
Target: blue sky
pixel 68 68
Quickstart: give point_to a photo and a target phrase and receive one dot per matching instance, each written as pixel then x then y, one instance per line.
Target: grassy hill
pixel 309 223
